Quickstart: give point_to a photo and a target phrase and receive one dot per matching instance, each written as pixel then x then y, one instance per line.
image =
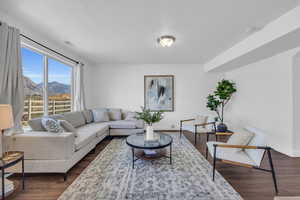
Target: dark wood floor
pixel 251 184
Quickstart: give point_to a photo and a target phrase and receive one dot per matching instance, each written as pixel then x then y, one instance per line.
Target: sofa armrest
pixel 44 145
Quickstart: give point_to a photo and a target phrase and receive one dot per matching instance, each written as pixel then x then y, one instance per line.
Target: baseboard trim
pixel 167 130
pixel 296 153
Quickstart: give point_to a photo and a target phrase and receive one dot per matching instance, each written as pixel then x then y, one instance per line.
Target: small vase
pixel 222 127
pixel 149 133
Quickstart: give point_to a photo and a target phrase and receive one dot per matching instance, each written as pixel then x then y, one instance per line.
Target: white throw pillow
pixel 201 119
pixel 240 138
pixel 51 125
pixel 100 115
pixel 130 116
pixel 68 127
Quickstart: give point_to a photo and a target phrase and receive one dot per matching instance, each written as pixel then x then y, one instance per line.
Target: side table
pixel 10 159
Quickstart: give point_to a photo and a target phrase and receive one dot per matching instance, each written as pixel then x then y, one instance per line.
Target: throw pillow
pixel 115 114
pixel 68 127
pixel 36 123
pixel 51 125
pixel 130 116
pixel 88 116
pixel 75 118
pixel 100 115
pixel 201 119
pixel 240 138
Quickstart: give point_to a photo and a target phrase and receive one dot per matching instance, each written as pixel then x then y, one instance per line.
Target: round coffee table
pixel 149 149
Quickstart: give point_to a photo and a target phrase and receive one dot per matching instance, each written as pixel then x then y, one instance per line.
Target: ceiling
pixel 119 31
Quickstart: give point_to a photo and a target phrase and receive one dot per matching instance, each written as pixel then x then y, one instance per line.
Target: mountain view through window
pixel 58 90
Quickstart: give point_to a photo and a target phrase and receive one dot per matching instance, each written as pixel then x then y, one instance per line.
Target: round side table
pixel 10 159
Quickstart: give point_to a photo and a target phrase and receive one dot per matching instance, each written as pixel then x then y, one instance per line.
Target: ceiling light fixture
pixel 68 42
pixel 166 40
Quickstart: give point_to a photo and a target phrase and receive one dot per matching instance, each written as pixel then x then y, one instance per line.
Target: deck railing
pixel 34 108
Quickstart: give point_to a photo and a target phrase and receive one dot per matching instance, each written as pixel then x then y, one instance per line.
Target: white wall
pixel 265 99
pixel 296 103
pixel 122 86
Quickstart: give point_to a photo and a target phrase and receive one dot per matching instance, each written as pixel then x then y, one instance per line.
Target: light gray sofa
pixel 47 152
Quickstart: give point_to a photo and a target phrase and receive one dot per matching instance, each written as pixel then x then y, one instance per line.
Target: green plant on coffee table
pixel 220 97
pixel 149 117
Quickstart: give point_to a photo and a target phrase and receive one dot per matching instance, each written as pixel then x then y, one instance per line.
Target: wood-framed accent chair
pixel 199 124
pixel 250 155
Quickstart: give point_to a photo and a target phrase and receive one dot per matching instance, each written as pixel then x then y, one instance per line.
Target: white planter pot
pixel 149 133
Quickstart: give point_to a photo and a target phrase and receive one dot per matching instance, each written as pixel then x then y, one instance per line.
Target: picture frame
pixel 159 92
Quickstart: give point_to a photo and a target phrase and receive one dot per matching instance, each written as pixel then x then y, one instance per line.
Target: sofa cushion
pixel 36 123
pixel 230 154
pixel 88 116
pixel 100 115
pixel 122 124
pixel 51 125
pixel 115 114
pixel 75 118
pixel 68 127
pixel 240 138
pixel 259 139
pixel 130 116
pixel 84 138
pixel 98 128
pixel 201 119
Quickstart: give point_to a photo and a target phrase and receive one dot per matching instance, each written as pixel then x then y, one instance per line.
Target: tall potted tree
pixel 218 100
pixel 149 118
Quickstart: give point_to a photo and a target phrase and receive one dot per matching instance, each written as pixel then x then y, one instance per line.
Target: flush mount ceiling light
pixel 166 40
pixel 68 43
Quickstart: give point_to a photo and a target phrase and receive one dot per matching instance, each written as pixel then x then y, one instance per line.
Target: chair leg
pixel 195 135
pixel 272 171
pixel 93 151
pixel 206 151
pixel 214 165
pixel 65 176
pixel 180 129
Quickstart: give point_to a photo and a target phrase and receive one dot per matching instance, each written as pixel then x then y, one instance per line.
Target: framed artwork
pixel 159 92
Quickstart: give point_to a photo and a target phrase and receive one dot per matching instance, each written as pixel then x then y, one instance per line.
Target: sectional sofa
pixel 47 152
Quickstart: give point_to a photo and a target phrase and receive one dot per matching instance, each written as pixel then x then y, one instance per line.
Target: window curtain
pixel 11 77
pixel 78 88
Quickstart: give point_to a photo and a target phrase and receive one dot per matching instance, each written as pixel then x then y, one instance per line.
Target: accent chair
pixel 198 125
pixel 250 155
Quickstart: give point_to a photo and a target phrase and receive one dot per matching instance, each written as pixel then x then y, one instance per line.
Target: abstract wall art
pixel 159 92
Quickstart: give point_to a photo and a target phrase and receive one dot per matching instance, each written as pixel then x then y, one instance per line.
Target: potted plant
pixel 149 118
pixel 218 100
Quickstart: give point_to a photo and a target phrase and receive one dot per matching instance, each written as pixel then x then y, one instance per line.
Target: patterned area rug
pixel 111 177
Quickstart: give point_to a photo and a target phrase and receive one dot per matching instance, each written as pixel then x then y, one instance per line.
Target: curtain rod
pixel 32 40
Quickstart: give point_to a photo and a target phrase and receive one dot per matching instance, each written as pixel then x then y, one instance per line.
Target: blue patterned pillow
pixel 51 125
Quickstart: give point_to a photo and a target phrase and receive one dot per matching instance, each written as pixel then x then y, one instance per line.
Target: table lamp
pixel 6 121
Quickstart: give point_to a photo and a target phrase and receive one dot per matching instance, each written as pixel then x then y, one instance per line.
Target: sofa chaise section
pixel 47 152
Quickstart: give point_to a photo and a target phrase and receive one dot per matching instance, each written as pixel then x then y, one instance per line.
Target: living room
pixel 149 100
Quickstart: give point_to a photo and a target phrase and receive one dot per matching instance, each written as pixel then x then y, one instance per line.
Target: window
pixel 47 85
pixel 59 87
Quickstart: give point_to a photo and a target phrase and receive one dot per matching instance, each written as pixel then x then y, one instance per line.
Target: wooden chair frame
pixel 196 126
pixel 267 149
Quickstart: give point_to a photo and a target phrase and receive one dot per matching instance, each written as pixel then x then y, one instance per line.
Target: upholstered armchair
pixel 199 124
pixel 249 155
